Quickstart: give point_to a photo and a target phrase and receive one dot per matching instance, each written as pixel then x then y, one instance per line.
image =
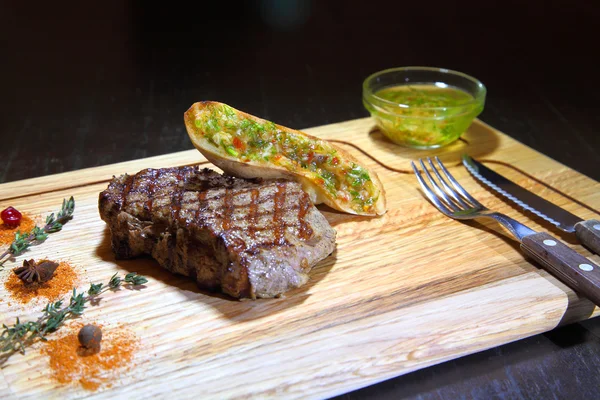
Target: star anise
pixel 39 272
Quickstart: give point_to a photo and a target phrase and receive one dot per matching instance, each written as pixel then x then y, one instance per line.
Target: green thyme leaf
pixel 115 281
pixel 16 337
pixel 135 279
pixel 95 288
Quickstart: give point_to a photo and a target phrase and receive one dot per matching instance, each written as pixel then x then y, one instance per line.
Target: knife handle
pixel 570 267
pixel 588 233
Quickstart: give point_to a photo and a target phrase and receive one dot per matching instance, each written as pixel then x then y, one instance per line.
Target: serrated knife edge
pixel 467 161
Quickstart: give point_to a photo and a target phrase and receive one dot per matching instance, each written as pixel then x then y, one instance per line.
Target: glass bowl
pixel 423 107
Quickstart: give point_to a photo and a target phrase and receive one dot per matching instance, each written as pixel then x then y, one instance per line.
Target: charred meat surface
pixel 247 237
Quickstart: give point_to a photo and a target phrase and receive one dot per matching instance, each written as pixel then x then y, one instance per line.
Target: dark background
pixel 84 85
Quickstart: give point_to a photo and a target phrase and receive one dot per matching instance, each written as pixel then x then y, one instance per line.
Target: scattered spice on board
pixel 23 240
pixel 16 337
pixel 7 234
pixel 72 363
pixel 64 279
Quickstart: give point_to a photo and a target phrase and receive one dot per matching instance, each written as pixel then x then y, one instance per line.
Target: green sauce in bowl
pixel 423 107
pixel 426 96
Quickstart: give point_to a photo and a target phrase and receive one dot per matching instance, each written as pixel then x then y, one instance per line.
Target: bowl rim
pixel 369 95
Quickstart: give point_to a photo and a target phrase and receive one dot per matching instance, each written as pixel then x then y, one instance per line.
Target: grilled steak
pixel 249 238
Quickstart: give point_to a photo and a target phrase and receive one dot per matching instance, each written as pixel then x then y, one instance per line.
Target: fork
pixel 570 267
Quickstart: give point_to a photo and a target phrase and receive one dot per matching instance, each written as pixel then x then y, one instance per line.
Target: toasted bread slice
pixel 247 146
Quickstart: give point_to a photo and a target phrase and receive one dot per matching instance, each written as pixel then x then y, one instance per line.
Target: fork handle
pixel 588 233
pixel 570 267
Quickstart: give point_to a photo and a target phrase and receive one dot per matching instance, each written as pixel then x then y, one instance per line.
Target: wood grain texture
pixel 404 291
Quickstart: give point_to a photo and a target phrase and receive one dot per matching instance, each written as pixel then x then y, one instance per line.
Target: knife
pixel 588 232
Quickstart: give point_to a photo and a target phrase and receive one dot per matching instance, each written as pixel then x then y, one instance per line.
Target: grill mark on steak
pixel 126 190
pixel 305 230
pixel 201 202
pixel 151 189
pixel 253 213
pixel 228 202
pixel 176 199
pixel 249 237
pixel 278 223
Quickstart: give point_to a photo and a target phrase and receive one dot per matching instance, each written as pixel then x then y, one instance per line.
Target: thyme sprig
pixel 16 337
pixel 38 235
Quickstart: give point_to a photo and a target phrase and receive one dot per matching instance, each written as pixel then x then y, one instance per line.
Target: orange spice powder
pixel 64 279
pixel 72 363
pixel 7 235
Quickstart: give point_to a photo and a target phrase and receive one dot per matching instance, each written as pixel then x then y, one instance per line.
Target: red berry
pixel 11 217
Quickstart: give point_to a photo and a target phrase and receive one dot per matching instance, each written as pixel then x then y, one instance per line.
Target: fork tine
pixel 429 193
pixel 456 196
pixel 457 185
pixel 440 193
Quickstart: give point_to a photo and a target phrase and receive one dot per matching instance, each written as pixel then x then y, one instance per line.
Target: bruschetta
pixel 247 146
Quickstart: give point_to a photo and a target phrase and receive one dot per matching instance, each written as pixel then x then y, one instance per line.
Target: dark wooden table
pixel 86 85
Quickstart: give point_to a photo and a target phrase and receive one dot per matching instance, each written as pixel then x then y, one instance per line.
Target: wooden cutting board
pixel 404 291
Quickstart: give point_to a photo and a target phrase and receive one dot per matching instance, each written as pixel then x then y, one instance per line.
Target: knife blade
pixel 588 232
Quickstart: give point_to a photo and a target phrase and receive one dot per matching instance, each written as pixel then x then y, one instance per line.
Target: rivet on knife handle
pixel 588 232
pixel 576 271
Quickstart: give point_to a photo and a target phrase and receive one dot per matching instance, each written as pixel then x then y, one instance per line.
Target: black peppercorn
pixel 90 336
